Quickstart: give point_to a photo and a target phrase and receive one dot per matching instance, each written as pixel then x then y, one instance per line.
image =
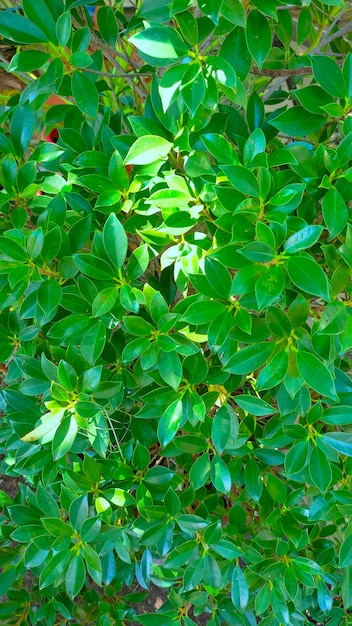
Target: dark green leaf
pixel 316 374
pixel 328 74
pixel 306 274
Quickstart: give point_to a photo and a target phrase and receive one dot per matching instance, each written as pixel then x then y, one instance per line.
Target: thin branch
pixel 117 75
pixel 344 30
pixel 337 19
pixel 295 71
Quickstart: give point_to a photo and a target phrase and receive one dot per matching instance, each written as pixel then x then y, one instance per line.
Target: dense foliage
pixel 175 258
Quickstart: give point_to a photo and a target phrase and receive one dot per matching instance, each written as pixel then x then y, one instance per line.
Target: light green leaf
pixel 169 423
pixel 161 42
pixel 147 149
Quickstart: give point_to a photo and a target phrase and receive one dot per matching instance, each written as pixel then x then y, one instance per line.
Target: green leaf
pixel 115 241
pixel 253 480
pixel 220 475
pixel 254 405
pixel 28 60
pixel 12 249
pixel 200 471
pixel 320 469
pixel 47 429
pixel 54 568
pixel 69 328
pixel 64 437
pixel 259 37
pixel 22 127
pixel 307 275
pixel 338 415
pixel 233 11
pixel 274 372
pixel 345 554
pixel 328 74
pixel 75 576
pixel 162 42
pixel 297 122
pixel 334 319
pixel 249 359
pixel 242 179
pixel 344 150
pixel 303 239
pixel 297 457
pixel 170 368
pixel 49 296
pixel 104 301
pixel 169 423
pixel 203 312
pixel 316 374
pixel 335 212
pixel 107 25
pixel 220 148
pixel 85 94
pixel 210 8
pixel 193 88
pixel 93 564
pixel 63 28
pixel 39 13
pixel 312 98
pixel 269 286
pixel 17 28
pixel 6 579
pixel 341 442
pixel 239 589
pixel 79 511
pixel 93 342
pixel 93 266
pixel 147 149
pixel 224 429
pixel 67 376
pixel 193 574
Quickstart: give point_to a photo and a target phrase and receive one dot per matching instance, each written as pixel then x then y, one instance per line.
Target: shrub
pixel 175 257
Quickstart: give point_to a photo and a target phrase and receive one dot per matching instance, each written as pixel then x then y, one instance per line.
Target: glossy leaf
pixel 316 374
pixel 259 37
pixel 306 274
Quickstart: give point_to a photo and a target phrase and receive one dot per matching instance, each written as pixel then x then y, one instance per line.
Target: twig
pixel 295 71
pixel 117 75
pixel 337 19
pixel 344 30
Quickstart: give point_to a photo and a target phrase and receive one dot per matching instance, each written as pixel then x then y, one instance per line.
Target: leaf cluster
pixel 175 319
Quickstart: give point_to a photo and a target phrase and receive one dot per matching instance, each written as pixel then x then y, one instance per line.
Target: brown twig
pixel 295 71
